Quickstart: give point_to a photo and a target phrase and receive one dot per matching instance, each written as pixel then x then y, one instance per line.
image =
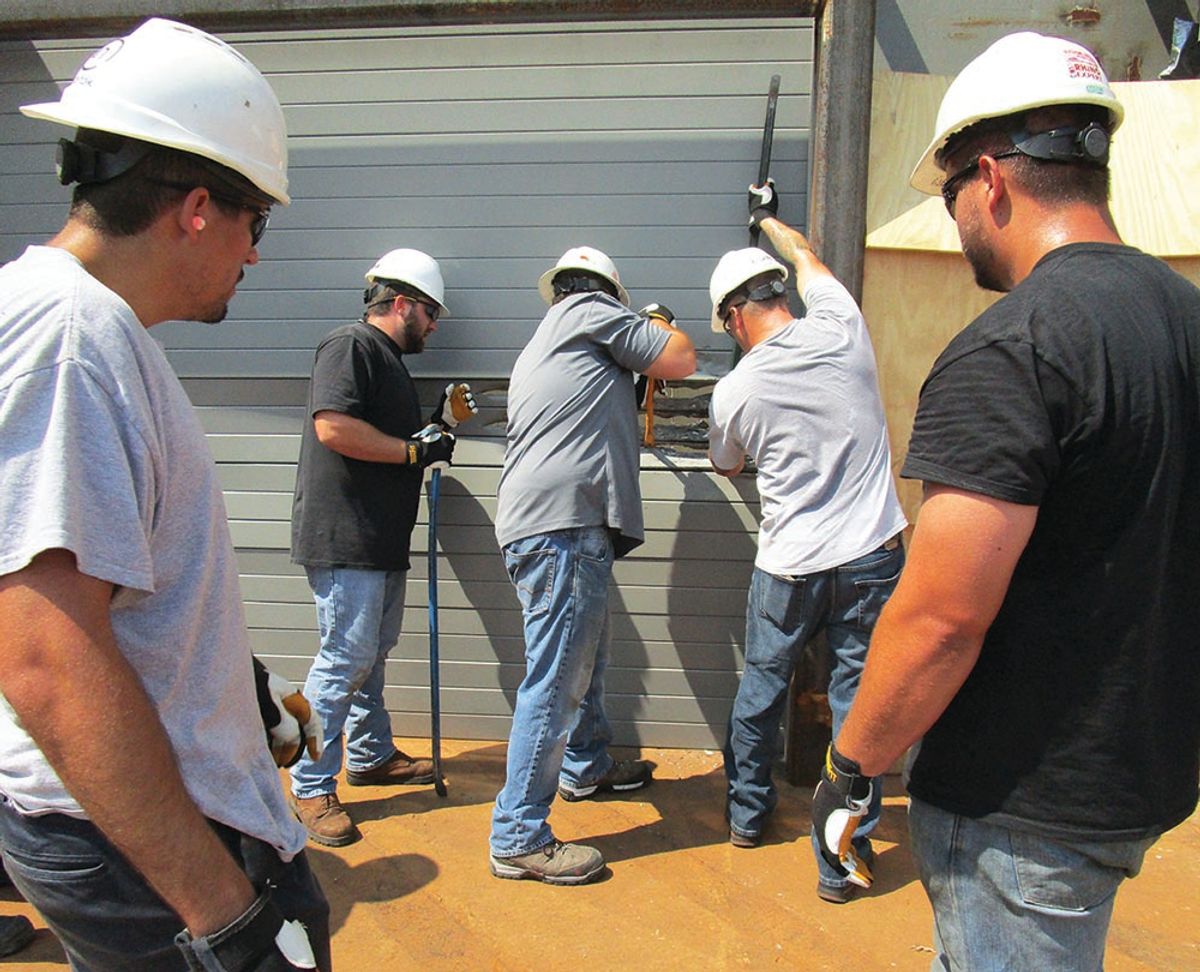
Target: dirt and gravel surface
pixel 415 893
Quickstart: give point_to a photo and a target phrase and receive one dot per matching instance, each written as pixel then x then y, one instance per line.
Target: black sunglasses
pixel 728 311
pixel 953 186
pixel 262 216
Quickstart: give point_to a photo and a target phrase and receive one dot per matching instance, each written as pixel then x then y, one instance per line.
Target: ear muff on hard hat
pixel 1018 73
pixel 733 270
pixel 588 259
pixel 412 267
pixel 173 85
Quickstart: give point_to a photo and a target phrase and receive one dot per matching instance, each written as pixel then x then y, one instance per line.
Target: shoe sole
pixel 741 840
pixel 571 796
pixel 836 895
pixel 511 872
pixel 412 781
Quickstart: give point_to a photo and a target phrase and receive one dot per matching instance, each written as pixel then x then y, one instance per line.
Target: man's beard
pixel 413 335
pixel 982 257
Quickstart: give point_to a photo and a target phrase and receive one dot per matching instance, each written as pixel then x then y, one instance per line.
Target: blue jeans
pixel 559 726
pixel 782 615
pixel 1003 899
pixel 358 615
pixel 106 915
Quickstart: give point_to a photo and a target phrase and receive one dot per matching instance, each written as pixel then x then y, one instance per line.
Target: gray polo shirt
pixel 572 452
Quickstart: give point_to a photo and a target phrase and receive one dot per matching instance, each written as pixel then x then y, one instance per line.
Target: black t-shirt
pixel 1077 393
pixel 347 512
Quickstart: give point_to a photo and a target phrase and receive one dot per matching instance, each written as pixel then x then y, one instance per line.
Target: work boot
pixel 16 932
pixel 401 768
pixel 624 774
pixel 325 819
pixel 556 863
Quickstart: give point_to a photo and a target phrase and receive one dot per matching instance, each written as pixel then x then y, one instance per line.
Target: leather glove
pixel 660 311
pixel 292 724
pixel 457 404
pixel 763 202
pixel 433 447
pixel 839 803
pixel 259 940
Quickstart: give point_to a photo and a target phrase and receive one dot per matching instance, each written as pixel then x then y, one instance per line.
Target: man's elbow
pixel 674 363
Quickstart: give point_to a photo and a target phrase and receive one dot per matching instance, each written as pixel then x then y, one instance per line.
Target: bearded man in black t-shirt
pixel 358 485
pixel 1041 642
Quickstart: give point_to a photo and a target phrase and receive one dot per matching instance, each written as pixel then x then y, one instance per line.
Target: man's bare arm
pixel 357 439
pixel 792 245
pixel 929 634
pixel 84 706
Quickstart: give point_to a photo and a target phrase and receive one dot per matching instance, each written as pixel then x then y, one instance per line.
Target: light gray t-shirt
pixel 101 454
pixel 572 453
pixel 805 405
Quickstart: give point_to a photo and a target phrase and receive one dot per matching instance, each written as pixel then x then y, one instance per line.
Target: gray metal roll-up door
pixel 494 149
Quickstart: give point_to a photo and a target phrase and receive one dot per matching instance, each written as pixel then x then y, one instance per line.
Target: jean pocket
pixel 1055 876
pixel 873 592
pixel 532 574
pixel 54 868
pixel 781 602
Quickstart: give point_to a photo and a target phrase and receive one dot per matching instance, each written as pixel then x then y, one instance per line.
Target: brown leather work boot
pixel 401 768
pixel 325 819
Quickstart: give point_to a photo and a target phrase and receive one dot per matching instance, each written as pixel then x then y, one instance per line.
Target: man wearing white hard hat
pixel 363 453
pixel 1041 643
pixel 803 403
pixel 131 745
pixel 568 504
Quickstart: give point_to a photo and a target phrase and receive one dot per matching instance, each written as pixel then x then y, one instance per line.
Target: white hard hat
pixel 412 267
pixel 1017 73
pixel 582 258
pixel 171 84
pixel 733 270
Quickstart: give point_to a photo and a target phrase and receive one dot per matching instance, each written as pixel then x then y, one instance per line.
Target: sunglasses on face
pixel 953 186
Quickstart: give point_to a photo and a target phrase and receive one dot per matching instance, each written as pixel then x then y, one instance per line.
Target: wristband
pixel 412 453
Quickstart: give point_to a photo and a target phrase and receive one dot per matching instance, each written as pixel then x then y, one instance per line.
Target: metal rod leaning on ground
pixel 435 690
pixel 457 404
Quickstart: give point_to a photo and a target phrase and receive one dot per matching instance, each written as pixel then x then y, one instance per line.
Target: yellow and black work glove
pixel 763 202
pixel 292 725
pixel 644 393
pixel 840 801
pixel 457 404
pixel 258 940
pixel 432 447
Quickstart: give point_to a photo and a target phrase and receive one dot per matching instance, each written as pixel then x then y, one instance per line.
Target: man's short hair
pixel 1045 180
pixel 129 203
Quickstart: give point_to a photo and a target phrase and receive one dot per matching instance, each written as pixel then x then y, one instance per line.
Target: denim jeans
pixel 559 726
pixel 358 616
pixel 782 615
pixel 106 915
pixel 1003 899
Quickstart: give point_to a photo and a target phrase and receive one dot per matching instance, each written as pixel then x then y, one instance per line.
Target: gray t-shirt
pixel 805 404
pixel 572 453
pixel 101 454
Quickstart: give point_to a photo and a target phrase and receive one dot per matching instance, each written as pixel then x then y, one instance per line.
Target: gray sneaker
pixel 624 774
pixel 556 863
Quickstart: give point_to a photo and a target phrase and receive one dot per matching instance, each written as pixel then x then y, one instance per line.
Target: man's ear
pixel 994 180
pixel 192 213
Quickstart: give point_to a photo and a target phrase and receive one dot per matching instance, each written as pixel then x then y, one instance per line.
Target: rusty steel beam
pixel 85 18
pixel 837 229
pixel 841 137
